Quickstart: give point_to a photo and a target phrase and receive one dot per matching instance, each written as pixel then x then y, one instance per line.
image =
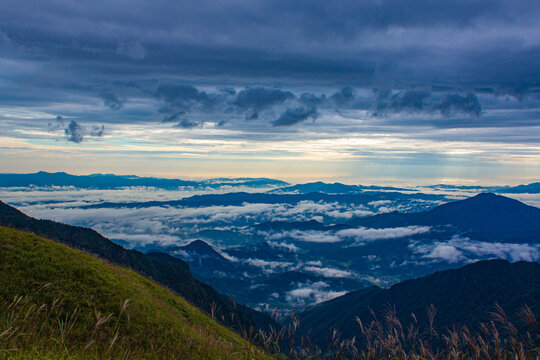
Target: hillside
pixel 465 296
pixel 69 304
pixel 163 268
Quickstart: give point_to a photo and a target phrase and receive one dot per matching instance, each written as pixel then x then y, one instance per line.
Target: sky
pixel 357 91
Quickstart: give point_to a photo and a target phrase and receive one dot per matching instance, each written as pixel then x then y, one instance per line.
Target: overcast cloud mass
pixel 310 89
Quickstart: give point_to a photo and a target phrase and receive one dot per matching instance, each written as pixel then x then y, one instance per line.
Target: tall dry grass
pixel 385 337
pixel 47 331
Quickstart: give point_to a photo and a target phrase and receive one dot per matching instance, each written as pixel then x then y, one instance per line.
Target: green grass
pixel 61 303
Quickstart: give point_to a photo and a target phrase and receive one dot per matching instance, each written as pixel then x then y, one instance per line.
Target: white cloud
pixel 378 203
pixel 368 234
pixel 463 249
pixel 284 245
pixel 444 252
pixel 329 272
pixel 184 255
pixel 529 199
pixel 227 256
pixel 311 293
pixel 269 266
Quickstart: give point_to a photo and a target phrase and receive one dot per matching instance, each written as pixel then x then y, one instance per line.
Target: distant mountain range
pixel 110 181
pixel 239 198
pixel 465 296
pixel 165 269
pixel 332 188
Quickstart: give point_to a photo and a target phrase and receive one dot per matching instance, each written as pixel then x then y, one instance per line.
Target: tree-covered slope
pixel 57 302
pixel 464 296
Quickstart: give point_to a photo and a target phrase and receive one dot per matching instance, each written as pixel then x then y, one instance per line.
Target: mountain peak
pixel 485 213
pixel 488 212
pixel 202 248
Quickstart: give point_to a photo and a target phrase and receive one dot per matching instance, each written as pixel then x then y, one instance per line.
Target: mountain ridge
pixel 112 181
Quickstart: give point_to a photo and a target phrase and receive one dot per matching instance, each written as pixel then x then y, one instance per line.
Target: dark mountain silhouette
pixel 291 225
pixel 486 216
pixel 163 268
pixel 464 296
pixel 239 198
pixel 200 247
pixel 204 260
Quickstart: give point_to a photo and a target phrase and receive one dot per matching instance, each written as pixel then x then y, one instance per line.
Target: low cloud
pixel 443 252
pixel 284 245
pixel 311 293
pixel 463 249
pixel 367 234
pixel 329 272
pixel 269 266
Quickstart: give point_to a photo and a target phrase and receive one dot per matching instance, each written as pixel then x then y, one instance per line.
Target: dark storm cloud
pixel 97 131
pixel 343 97
pixel 257 99
pixel 187 124
pixel 177 100
pixel 304 39
pixel 294 116
pixel 74 132
pixel 467 104
pixel 312 100
pixel 172 117
pixel 180 94
pixel 281 61
pixel 420 101
pixel 57 124
pixel 111 101
pixel 408 101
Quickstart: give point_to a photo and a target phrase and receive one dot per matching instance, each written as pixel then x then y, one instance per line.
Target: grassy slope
pixel 166 270
pixel 155 323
